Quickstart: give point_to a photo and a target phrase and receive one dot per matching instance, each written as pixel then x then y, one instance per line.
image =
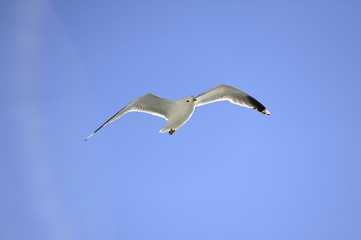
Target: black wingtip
pixel 258 106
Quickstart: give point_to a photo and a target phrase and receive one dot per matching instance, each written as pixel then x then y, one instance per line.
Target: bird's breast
pixel 181 114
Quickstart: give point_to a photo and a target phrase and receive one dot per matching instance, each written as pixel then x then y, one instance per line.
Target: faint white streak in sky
pixel 30 70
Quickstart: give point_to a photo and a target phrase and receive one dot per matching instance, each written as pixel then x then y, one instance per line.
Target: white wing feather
pixel 231 94
pixel 149 103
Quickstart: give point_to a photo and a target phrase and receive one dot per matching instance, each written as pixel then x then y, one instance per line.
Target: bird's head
pixel 190 99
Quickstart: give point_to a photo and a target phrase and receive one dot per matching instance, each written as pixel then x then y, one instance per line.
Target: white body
pixel 183 110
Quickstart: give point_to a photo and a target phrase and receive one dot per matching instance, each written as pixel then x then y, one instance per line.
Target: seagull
pixel 178 112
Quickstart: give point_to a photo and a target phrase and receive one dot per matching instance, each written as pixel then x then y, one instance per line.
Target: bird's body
pixel 182 110
pixel 178 112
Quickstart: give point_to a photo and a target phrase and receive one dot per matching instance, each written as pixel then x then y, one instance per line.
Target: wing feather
pixel 148 103
pixel 231 94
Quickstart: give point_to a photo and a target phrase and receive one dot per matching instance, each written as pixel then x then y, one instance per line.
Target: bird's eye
pixel 187 100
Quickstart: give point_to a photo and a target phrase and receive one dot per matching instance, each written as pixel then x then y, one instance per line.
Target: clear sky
pixel 230 172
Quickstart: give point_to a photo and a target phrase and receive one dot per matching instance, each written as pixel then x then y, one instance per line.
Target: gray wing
pixel 231 94
pixel 149 103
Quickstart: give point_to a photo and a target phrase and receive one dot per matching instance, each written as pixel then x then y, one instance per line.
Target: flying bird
pixel 178 112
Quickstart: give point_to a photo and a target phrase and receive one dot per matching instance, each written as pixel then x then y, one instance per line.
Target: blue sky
pixel 229 173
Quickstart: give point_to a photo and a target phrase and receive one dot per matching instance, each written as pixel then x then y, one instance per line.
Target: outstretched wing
pixel 231 94
pixel 149 103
